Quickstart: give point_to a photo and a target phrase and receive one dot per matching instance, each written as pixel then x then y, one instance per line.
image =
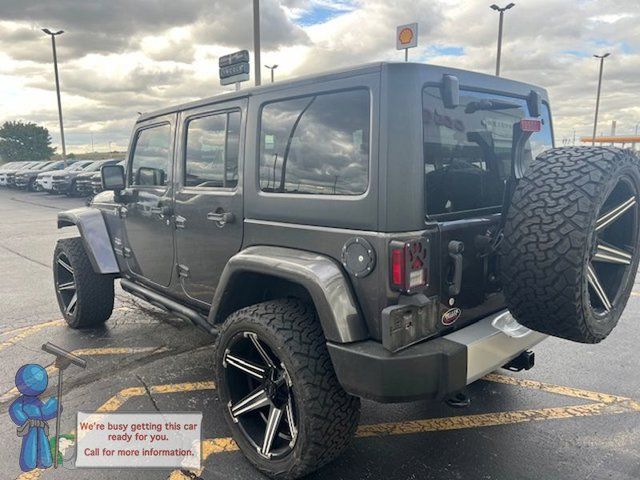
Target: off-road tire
pixel 327 415
pixel 549 236
pixel 95 292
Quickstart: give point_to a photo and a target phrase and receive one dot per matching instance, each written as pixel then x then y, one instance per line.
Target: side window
pixel 316 145
pixel 211 157
pixel 151 160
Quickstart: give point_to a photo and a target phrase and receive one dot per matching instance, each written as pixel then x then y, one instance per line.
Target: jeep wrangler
pixel 391 232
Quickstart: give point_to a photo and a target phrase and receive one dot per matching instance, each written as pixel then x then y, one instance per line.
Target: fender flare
pixel 321 276
pixel 94 235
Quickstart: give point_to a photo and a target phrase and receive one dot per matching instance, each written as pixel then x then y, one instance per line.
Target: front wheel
pixel 279 393
pixel 85 298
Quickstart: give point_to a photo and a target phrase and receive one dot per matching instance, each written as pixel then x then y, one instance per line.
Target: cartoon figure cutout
pixel 32 415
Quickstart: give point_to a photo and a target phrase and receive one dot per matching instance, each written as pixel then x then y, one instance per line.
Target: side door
pixel 148 209
pixel 208 198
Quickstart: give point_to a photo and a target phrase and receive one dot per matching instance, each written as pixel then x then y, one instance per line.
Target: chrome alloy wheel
pixel 613 247
pixel 66 284
pixel 261 396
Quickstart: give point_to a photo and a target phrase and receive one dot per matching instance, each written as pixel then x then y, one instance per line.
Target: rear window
pixel 316 144
pixel 467 149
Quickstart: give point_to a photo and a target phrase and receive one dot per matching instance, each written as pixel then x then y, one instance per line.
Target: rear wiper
pixel 473 107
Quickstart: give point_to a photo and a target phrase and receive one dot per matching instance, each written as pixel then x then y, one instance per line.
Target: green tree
pixel 24 141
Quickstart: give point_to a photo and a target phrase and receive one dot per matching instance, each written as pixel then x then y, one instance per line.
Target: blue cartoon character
pixel 31 415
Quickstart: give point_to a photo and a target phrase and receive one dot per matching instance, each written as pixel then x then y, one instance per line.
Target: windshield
pixel 78 166
pixel 467 149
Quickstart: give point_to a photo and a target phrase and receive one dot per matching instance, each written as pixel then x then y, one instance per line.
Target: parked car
pixel 26 179
pixel 7 178
pixel 391 232
pixel 83 186
pixel 64 180
pixel 96 179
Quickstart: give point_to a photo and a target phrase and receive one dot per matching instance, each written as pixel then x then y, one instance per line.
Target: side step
pixel 167 305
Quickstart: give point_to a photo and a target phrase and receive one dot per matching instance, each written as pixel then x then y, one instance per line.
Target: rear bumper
pixel 431 369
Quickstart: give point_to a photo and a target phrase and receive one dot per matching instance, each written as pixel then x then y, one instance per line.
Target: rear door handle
pixel 221 218
pixel 163 210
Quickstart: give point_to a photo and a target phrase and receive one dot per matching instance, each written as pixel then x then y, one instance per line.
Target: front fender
pixel 95 237
pixel 318 274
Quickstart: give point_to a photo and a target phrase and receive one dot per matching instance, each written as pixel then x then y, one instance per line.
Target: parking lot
pixel 575 415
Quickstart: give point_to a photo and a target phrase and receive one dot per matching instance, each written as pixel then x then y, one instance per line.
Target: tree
pixel 24 141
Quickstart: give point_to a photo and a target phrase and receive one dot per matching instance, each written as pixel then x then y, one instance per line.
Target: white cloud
pixel 144 55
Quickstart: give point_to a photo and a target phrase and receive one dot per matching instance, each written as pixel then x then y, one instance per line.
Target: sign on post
pixel 234 68
pixel 406 38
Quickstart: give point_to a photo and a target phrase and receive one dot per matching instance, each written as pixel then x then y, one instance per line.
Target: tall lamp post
pixel 501 11
pixel 55 68
pixel 595 120
pixel 272 68
pixel 256 40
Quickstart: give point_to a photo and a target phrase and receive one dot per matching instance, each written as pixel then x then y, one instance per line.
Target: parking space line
pixel 556 389
pixel 10 394
pixel 27 331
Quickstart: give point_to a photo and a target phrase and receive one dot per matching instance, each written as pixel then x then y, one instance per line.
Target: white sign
pixel 407 36
pixel 142 440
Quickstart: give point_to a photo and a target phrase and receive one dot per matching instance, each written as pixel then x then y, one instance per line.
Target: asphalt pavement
pixel 576 415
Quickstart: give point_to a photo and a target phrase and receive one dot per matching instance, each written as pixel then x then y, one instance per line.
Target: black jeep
pixel 374 232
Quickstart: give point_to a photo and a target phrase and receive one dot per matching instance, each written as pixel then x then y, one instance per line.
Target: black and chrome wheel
pixel 570 249
pixel 85 298
pixel 278 391
pixel 613 247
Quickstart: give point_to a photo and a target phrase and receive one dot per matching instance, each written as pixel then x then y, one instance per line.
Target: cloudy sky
pixel 120 57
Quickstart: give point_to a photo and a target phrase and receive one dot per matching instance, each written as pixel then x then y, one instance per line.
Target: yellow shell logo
pixel 406 35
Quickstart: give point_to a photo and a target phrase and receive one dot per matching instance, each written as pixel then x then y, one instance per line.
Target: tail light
pixel 409 266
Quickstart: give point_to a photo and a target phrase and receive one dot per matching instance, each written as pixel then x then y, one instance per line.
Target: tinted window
pixel 316 145
pixel 212 151
pixel 467 149
pixel 152 156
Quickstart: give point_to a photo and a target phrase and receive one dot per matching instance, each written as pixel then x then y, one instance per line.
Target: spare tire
pixel 570 249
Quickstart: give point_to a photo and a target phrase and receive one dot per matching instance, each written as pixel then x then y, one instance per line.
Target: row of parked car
pixel 79 178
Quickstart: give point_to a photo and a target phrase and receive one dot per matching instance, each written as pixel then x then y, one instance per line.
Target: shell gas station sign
pixel 407 36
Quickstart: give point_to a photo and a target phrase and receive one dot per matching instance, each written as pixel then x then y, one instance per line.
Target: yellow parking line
pixel 557 389
pixel 635 294
pixel 26 331
pixel 10 394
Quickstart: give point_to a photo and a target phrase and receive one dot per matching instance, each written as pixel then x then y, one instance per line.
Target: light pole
pixel 637 125
pixel 55 68
pixel 595 120
pixel 501 11
pixel 272 68
pixel 256 40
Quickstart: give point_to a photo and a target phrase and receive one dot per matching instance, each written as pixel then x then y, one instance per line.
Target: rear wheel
pixel 85 298
pixel 571 242
pixel 281 398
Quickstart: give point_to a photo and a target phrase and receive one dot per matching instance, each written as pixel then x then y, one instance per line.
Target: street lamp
pixel 55 68
pixel 272 68
pixel 595 120
pixel 501 10
pixel 256 40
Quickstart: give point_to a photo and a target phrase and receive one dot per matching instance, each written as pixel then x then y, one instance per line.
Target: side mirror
pixel 534 102
pixel 112 177
pixel 450 91
pixel 150 176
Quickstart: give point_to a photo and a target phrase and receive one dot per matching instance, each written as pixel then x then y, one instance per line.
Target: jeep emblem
pixel 450 316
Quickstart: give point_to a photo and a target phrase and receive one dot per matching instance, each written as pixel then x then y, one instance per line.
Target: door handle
pixel 221 218
pixel 163 210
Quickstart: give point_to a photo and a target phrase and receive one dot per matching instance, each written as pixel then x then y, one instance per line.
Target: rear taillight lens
pixel 409 266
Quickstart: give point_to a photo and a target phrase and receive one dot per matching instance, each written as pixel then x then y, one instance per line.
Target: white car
pixel 9 169
pixel 44 181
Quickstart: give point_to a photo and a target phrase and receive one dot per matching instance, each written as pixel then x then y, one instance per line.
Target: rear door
pixel 208 199
pixel 149 249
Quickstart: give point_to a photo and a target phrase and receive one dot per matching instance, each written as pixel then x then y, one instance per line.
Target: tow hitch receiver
pixel 524 361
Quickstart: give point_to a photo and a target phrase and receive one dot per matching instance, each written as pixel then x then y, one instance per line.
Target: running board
pixel 167 305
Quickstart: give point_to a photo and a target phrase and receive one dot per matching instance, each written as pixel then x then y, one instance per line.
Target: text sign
pixel 233 58
pixel 233 70
pixel 139 440
pixel 407 36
